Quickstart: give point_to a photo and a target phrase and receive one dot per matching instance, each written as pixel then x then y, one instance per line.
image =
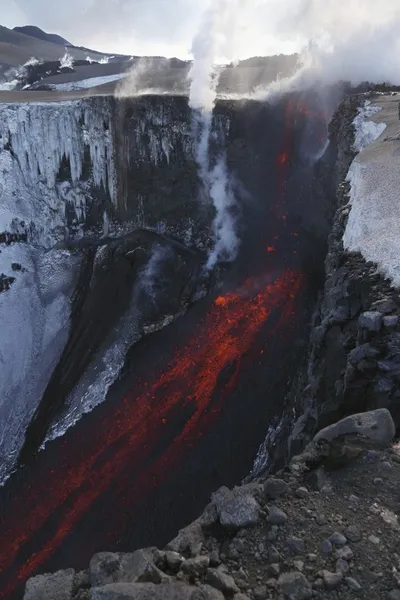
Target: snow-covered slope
pixel 373 227
pixel 52 159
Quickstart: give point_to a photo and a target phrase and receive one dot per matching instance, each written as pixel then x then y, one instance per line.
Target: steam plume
pixel 214 40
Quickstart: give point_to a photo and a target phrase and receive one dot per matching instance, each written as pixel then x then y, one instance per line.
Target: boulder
pixel 274 488
pixel 142 591
pixel 294 586
pixel 57 586
pixel 108 567
pixel 206 592
pixel 189 540
pixel 237 508
pixel 104 568
pixel 375 428
pixel 218 579
pixel 371 321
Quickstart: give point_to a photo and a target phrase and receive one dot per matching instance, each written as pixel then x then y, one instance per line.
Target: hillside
pixel 17 48
pixel 39 34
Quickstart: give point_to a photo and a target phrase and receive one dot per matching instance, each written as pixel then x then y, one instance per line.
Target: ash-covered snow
pixel 35 314
pixel 86 83
pixel 373 227
pixel 35 202
pixel 366 131
pixel 106 365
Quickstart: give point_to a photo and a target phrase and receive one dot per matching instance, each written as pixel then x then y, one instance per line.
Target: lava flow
pixel 228 332
pixel 124 450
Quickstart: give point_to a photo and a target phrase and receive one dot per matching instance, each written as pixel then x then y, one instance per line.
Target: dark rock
pixel 296 545
pixel 260 593
pixel 332 580
pixel 302 492
pixel 104 568
pixel 338 540
pixel 189 540
pixel 276 516
pixel 394 595
pixel 237 508
pixel 58 586
pixel 371 321
pixel 221 581
pixel 346 553
pixel 342 565
pixel 195 567
pixel 206 592
pixel 362 352
pixel 142 591
pixel 173 560
pixel 294 586
pixel 273 555
pixel 274 488
pixel 353 584
pixel 390 322
pixel 326 547
pixel 384 306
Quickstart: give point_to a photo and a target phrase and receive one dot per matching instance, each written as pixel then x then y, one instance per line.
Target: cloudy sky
pixel 147 26
pixel 168 27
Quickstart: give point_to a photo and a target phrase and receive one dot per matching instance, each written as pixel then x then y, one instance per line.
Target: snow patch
pixel 86 83
pixel 367 131
pixel 35 315
pixel 374 221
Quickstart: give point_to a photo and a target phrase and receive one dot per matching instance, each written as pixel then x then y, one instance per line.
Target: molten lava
pixel 228 332
pixel 182 401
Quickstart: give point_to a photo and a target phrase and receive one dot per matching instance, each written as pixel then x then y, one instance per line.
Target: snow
pixel 35 311
pixel 373 227
pixel 367 131
pixel 85 83
pixel 35 315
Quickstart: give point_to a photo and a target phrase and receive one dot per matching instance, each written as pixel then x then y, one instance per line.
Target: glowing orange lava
pixel 227 332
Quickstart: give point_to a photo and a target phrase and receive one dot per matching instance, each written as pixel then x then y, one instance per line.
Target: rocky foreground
pixel 324 527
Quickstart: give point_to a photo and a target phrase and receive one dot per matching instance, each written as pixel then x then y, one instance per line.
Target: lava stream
pixel 226 333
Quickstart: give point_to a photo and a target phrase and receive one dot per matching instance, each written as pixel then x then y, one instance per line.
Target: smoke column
pixel 214 40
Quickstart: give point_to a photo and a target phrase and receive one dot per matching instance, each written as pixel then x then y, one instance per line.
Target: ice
pixel 373 227
pixel 35 314
pixel 367 131
pixel 34 140
pixel 86 83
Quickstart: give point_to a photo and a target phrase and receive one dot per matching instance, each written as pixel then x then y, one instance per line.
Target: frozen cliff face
pixel 91 167
pixel 52 157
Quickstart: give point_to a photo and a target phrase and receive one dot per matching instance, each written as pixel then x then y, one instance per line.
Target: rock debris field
pixel 325 527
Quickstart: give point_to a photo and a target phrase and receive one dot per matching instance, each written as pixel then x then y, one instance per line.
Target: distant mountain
pixel 39 34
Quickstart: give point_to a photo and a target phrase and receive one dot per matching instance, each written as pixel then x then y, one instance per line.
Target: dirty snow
pixel 35 315
pixel 85 83
pixel 373 227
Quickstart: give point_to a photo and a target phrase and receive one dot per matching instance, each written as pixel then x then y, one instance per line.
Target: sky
pixel 148 27
pixel 355 39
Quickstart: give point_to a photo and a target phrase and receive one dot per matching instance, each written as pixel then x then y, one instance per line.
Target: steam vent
pixel 196 295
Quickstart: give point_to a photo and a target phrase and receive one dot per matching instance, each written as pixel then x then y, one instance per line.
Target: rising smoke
pixel 215 38
pixel 356 43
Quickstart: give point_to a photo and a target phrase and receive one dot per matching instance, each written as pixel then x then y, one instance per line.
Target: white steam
pixel 67 61
pixel 215 39
pixel 357 43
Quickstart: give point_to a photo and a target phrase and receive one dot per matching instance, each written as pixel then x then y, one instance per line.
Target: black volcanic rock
pixel 39 34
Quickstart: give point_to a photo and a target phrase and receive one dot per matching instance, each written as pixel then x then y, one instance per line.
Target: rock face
pixel 353 362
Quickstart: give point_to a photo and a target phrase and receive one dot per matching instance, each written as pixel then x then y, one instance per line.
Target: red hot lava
pixel 227 332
